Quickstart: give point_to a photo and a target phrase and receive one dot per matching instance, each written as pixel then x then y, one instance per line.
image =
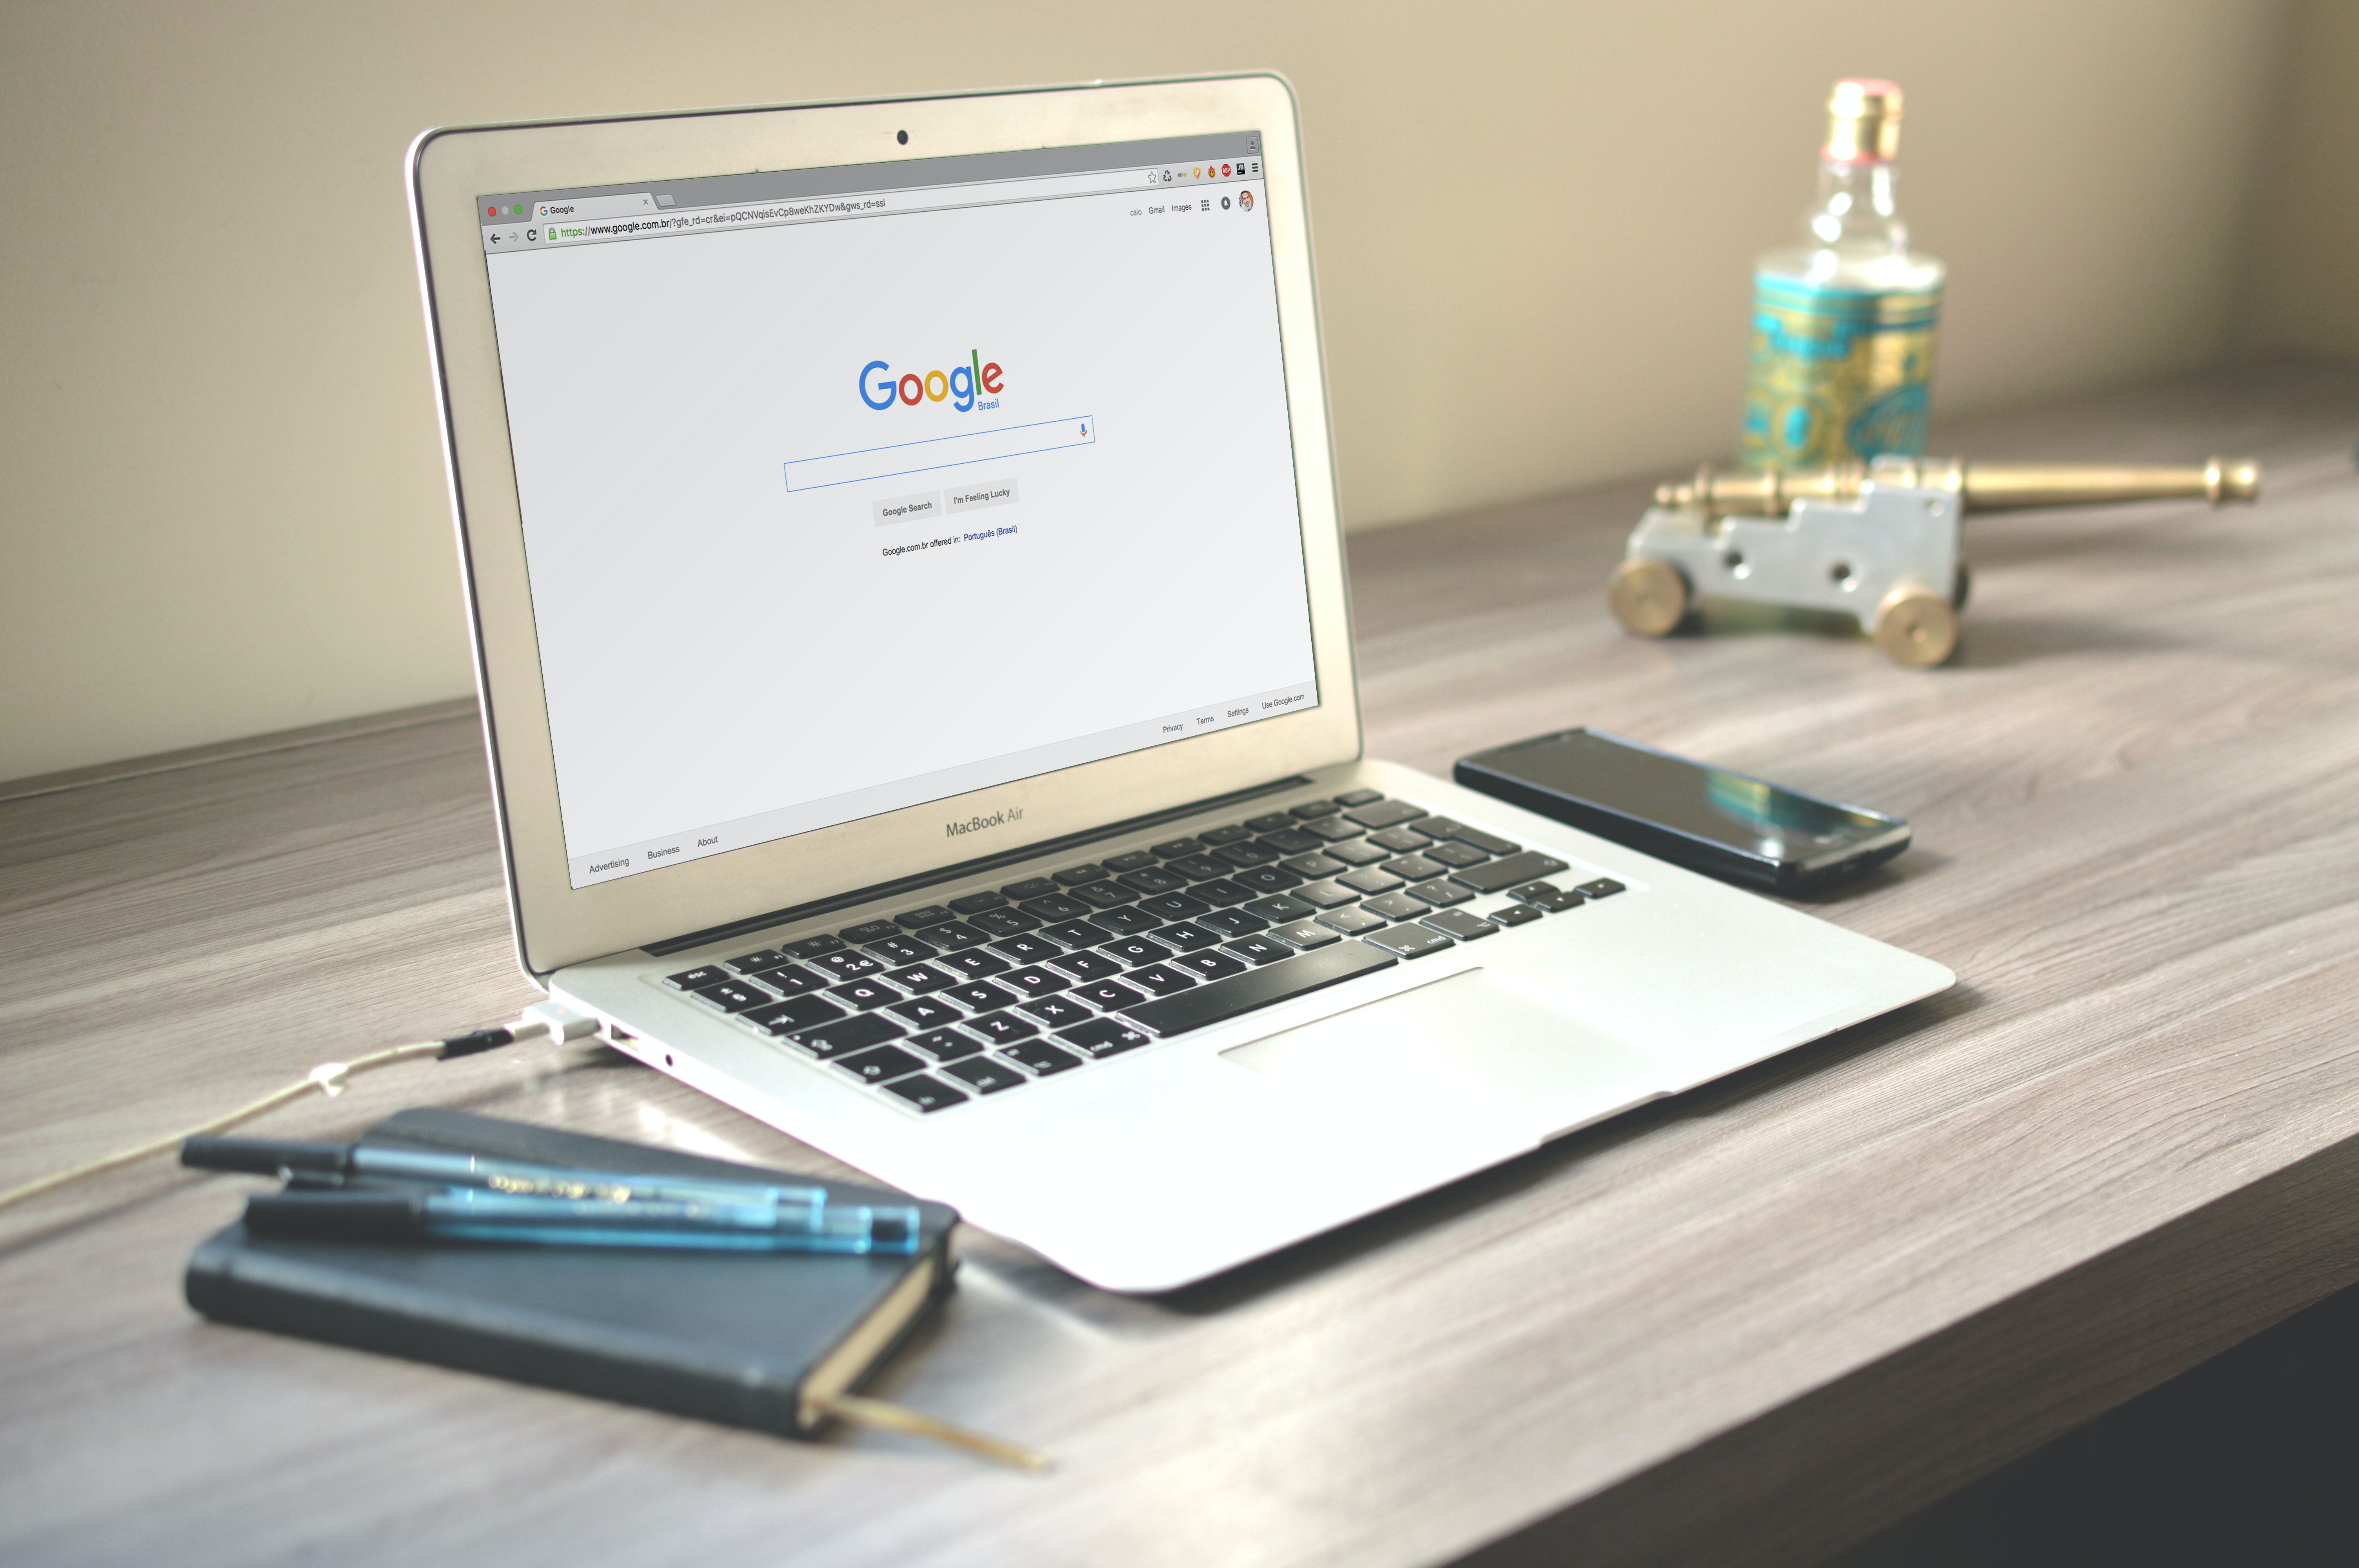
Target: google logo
pixel 960 386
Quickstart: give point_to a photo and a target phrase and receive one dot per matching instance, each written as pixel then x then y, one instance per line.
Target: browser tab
pixel 594 206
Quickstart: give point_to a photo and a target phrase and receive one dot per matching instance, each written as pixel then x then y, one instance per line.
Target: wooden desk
pixel 1750 1324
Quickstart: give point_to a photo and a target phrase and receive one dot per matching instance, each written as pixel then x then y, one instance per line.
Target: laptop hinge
pixel 965 869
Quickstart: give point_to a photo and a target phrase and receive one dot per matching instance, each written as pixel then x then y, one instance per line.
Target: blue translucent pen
pixel 287 1157
pixel 476 1215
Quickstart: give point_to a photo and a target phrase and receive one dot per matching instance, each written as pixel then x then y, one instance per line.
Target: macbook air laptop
pixel 901 545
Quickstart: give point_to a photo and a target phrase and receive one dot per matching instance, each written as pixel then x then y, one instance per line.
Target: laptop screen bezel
pixel 557 923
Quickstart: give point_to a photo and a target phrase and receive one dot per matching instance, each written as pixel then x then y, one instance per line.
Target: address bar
pixel 822 208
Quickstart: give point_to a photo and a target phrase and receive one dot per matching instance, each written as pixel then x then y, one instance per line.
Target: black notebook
pixel 753 1339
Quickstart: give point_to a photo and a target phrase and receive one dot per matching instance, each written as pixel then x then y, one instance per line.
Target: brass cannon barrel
pixel 1981 487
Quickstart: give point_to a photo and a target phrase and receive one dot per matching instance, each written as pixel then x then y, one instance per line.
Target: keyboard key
pixel 1266 879
pixel 985 1075
pixel 1400 840
pixel 1104 1037
pixel 1055 906
pixel 928 1094
pixel 732 995
pixel 1552 902
pixel 754 963
pixel 1512 915
pixel 976 903
pixel 1353 922
pixel 1074 876
pixel 1281 908
pixel 1234 923
pixel 1270 823
pixel 1290 841
pixel 901 949
pixel 1223 893
pixel 1172 849
pixel 1152 880
pixel 1246 852
pixel 864 994
pixel 869 930
pixel 1218 836
pixel 1198 868
pixel 1056 1011
pixel 795 1012
pixel 1311 808
pixel 1113 996
pixel 1133 951
pixel 1187 937
pixel 1458 856
pixel 1033 980
pixel 1080 934
pixel 1384 813
pixel 981 996
pixel 1161 979
pixel 697 978
pixel 1394 906
pixel 1440 892
pixel 1304 933
pixel 956 934
pixel 1416 868
pixel 1334 829
pixel 1104 896
pixel 1315 866
pixel 1408 941
pixel 848 965
pixel 877 1065
pixel 794 980
pixel 1030 887
pixel 1134 861
pixel 1086 966
pixel 1370 880
pixel 1496 876
pixel 1604 887
pixel 1002 922
pixel 1209 965
pixel 1040 1057
pixel 945 1044
pixel 813 946
pixel 1027 949
pixel 850 1034
pixel 1458 924
pixel 919 919
pixel 925 1012
pixel 1174 906
pixel 1000 1028
pixel 1258 949
pixel 975 965
pixel 1246 989
pixel 1489 843
pixel 1326 895
pixel 1359 852
pixel 1360 797
pixel 1127 922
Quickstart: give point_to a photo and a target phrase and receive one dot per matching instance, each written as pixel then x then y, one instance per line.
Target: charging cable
pixel 542 1018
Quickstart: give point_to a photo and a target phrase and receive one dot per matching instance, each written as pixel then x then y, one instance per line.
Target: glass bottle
pixel 1843 323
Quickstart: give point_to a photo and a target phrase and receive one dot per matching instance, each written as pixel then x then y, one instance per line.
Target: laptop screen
pixel 849 489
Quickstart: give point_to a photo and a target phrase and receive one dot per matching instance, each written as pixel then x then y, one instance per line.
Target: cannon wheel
pixel 1649 596
pixel 1915 627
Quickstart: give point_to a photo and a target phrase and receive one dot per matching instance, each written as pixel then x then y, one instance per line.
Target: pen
pixel 289 1158
pixel 473 1213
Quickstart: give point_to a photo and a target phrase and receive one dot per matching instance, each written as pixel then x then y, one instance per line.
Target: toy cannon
pixel 1877 542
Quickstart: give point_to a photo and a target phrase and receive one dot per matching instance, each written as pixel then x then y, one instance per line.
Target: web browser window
pixel 845 489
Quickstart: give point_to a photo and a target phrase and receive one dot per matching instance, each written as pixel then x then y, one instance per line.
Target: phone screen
pixel 1728 808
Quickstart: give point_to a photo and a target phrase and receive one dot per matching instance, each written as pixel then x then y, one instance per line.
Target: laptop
pixel 901 545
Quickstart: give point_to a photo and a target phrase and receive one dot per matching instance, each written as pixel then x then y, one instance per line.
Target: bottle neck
pixel 1856 215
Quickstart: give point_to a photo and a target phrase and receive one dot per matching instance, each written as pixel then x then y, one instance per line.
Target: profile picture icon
pixel 1244 199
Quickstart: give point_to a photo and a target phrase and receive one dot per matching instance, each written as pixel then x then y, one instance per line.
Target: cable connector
pixel 558 1022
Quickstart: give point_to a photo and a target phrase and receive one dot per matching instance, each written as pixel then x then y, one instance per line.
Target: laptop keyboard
pixel 988 991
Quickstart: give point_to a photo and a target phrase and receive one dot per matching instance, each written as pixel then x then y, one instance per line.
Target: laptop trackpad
pixel 1466 1045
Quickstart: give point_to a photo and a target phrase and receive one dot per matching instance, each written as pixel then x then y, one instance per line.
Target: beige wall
pixel 2302 267
pixel 223 504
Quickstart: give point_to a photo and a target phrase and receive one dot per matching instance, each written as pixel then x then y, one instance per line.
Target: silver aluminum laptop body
pixel 871 512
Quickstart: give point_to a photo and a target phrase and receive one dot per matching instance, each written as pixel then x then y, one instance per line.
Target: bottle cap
pixel 1863 120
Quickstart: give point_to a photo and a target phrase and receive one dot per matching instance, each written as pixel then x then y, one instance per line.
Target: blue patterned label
pixel 1838 374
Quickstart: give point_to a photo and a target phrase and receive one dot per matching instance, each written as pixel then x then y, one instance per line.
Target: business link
pixel 977 537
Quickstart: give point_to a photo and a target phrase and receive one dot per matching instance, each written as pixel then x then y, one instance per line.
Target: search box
pixel 942 452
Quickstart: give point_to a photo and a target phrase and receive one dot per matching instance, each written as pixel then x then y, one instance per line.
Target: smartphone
pixel 1687 812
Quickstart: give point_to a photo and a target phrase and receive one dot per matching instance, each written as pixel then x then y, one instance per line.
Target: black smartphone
pixel 1687 812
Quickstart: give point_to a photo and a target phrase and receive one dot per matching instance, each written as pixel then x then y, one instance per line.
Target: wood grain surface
pixel 1753 1323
